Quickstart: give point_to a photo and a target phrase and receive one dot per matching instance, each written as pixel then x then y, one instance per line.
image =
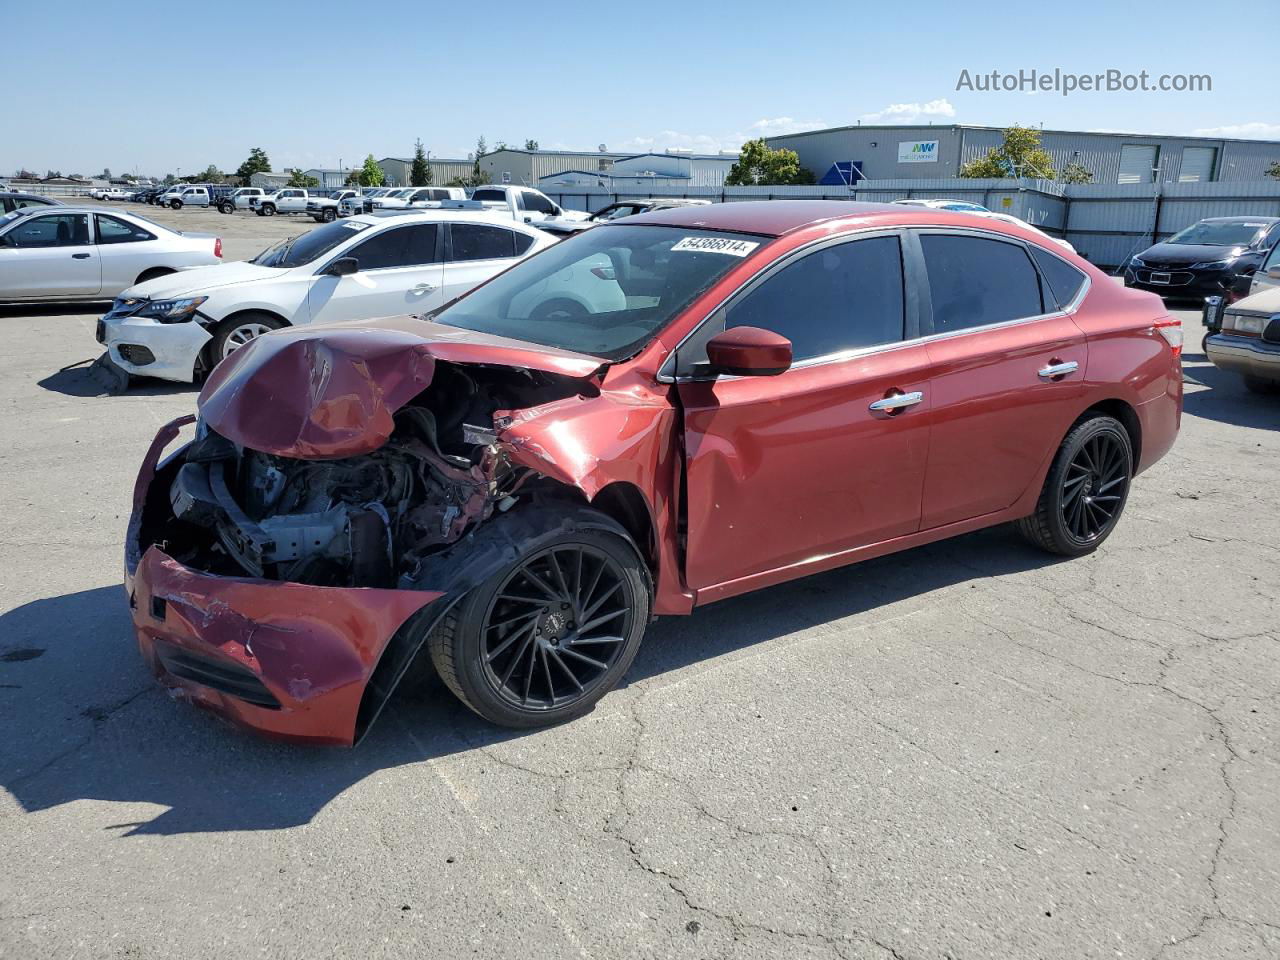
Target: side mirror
pixel 1273 271
pixel 343 267
pixel 749 352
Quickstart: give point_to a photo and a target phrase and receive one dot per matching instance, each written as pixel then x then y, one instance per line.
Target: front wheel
pixel 175 204
pixel 267 210
pixel 330 215
pixel 225 208
pixel 554 630
pixel 1085 491
pixel 234 333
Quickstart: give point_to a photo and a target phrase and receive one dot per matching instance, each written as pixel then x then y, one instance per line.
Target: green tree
pixel 299 178
pixel 420 171
pixel 760 166
pixel 1274 169
pixel 212 174
pixel 531 144
pixel 371 174
pixel 1076 173
pixel 476 173
pixel 1020 155
pixel 257 162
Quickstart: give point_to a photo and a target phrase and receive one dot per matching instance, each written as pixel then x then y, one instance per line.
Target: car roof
pixel 1240 220
pixel 437 214
pixel 52 201
pixel 774 218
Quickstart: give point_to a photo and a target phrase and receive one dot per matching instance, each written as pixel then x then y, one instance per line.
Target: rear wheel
pixel 1261 385
pixel 554 630
pixel 559 310
pixel 1085 491
pixel 152 274
pixel 235 332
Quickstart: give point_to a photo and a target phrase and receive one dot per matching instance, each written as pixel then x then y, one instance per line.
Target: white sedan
pixel 366 266
pixel 83 253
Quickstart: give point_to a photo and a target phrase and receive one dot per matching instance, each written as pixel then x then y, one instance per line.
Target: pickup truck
pixel 192 195
pixel 113 193
pixel 325 209
pixel 288 200
pixel 520 203
pixel 417 197
pixel 239 200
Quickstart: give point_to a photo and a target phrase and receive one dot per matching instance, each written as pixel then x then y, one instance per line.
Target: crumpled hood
pixel 1185 254
pixel 187 283
pixel 324 393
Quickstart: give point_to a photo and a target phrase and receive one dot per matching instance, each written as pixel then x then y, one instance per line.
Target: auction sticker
pixel 734 248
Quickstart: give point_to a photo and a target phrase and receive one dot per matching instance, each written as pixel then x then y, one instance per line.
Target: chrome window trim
pixel 664 376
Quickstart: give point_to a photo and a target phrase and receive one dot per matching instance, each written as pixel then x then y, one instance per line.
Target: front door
pixel 49 256
pixel 399 273
pixel 783 471
pixel 1008 366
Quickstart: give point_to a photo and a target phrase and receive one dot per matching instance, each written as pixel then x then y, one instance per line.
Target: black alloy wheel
pixel 553 630
pixel 1094 487
pixel 556 627
pixel 1085 491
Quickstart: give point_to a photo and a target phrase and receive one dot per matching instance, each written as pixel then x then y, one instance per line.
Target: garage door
pixel 1136 163
pixel 1197 164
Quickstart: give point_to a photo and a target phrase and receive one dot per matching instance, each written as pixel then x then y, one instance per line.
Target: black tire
pixel 1261 385
pixel 235 331
pixel 329 215
pixel 1204 344
pixel 1085 491
pixel 226 208
pixel 151 274
pixel 546 668
pixel 175 204
pixel 266 210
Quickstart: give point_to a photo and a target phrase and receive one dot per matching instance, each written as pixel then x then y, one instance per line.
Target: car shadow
pixel 21 310
pixel 1226 399
pixel 85 720
pixel 82 380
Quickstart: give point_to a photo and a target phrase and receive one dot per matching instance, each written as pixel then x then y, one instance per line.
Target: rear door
pixel 49 256
pixel 476 252
pixel 1009 369
pixel 785 471
pixel 400 273
pixel 125 251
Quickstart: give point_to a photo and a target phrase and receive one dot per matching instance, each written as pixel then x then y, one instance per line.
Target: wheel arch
pixel 1119 410
pixel 206 361
pixel 151 273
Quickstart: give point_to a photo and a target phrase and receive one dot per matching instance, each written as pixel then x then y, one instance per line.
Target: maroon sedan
pixel 658 413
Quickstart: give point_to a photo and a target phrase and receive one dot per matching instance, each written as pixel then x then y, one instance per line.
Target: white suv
pixel 353 269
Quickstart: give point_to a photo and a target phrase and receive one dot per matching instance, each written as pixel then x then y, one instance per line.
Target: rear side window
pixel 489 195
pixel 839 298
pixel 111 230
pixel 1063 279
pixel 403 247
pixel 523 243
pixel 974 282
pixel 474 241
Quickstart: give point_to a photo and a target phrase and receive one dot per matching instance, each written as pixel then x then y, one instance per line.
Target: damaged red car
pixel 650 416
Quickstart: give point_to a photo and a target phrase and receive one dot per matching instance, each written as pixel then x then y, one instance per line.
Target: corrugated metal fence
pixel 1107 223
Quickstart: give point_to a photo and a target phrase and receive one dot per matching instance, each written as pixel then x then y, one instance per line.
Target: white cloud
pixel 1257 130
pixel 714 143
pixel 911 112
pixel 778 126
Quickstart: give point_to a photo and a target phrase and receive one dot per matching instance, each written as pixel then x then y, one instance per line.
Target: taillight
pixel 217 247
pixel 604 273
pixel 1171 330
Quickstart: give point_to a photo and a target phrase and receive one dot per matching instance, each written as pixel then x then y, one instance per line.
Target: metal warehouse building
pixel 932 152
pixel 396 170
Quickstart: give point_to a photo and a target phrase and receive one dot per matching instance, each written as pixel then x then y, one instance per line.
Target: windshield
pixel 1220 234
pixel 295 251
pixel 605 292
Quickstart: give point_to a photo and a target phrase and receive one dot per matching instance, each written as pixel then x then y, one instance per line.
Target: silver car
pixel 86 253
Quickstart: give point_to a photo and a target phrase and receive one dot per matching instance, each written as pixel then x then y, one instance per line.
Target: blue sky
pixel 320 82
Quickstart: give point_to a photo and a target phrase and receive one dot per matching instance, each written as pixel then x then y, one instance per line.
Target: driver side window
pixel 61 230
pixel 839 298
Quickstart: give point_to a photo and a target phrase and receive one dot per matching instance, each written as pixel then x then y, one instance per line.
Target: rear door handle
pixel 80 256
pixel 424 288
pixel 897 402
pixel 1057 370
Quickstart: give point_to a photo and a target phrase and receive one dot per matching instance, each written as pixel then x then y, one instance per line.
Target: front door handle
pixel 424 288
pixel 897 402
pixel 79 256
pixel 1057 369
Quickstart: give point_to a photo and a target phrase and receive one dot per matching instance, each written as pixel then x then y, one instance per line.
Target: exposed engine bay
pixel 365 521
